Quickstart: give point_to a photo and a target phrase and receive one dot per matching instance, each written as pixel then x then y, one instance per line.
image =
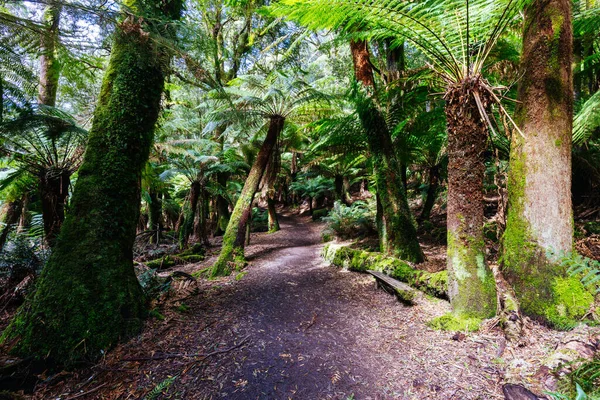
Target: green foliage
pixel 583 268
pixel 160 388
pixel 22 256
pixel 453 322
pixel 352 221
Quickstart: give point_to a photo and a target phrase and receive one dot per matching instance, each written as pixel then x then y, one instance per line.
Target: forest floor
pixel 291 327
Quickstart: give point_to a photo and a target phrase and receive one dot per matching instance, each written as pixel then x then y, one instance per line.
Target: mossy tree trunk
pixel 11 217
pixel 49 65
pixel 471 285
pixel 88 297
pixel 232 253
pixel 539 220
pixel 400 238
pixel 54 190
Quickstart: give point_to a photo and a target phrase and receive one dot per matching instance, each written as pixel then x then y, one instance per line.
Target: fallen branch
pixel 166 356
pixel 77 396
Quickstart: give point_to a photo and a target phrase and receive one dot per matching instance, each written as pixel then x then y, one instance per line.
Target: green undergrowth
pixel 192 255
pixel 455 322
pixel 435 284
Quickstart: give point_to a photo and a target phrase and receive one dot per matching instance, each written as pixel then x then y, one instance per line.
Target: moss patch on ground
pixel 455 322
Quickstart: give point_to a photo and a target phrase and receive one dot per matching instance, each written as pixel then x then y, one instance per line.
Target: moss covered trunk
pixel 539 182
pixel 88 297
pixel 11 217
pixel 471 286
pixel 54 190
pixel 232 253
pixel 400 238
pixel 49 65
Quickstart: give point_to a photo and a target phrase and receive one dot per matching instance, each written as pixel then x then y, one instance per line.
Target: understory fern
pixel 586 269
pixel 160 388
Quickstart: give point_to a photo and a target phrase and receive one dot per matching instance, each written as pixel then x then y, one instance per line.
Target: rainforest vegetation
pixel 196 195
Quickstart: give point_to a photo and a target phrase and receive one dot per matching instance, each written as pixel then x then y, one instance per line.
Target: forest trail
pixel 295 328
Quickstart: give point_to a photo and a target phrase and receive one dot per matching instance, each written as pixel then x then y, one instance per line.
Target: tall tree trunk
pixel 189 214
pixel 222 205
pixel 13 213
pixel 88 297
pixel 400 238
pixel 273 221
pixel 232 253
pixel 155 215
pixel 54 190
pixel 49 65
pixel 539 224
pixel 471 285
pixel 431 195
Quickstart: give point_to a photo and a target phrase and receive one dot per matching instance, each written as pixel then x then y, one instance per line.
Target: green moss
pixel 192 258
pixel 455 322
pixel 471 281
pixel 435 284
pixel 558 142
pixel 240 276
pixel 405 296
pixel 196 249
pixel 161 263
pixel 154 313
pixel 571 302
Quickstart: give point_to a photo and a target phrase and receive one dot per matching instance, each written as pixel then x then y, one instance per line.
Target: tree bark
pixel 54 190
pixel 232 253
pixel 431 195
pixel 539 223
pixel 49 65
pixel 189 214
pixel 88 297
pixel 155 215
pixel 13 213
pixel 471 286
pixel 400 237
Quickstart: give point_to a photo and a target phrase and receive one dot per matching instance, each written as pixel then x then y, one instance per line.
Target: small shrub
pixel 352 221
pixel 22 256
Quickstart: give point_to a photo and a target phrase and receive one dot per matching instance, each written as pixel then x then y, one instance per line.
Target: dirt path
pixel 294 328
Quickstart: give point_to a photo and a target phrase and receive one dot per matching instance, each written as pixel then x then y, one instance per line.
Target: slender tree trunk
pixel 189 215
pixel 88 297
pixel 272 211
pixel 222 206
pixel 471 285
pixel 539 224
pixel 11 218
pixel 49 65
pixel 400 237
pixel 338 181
pixel 232 253
pixel 53 193
pixel 432 189
pixel 155 215
pixel 346 198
